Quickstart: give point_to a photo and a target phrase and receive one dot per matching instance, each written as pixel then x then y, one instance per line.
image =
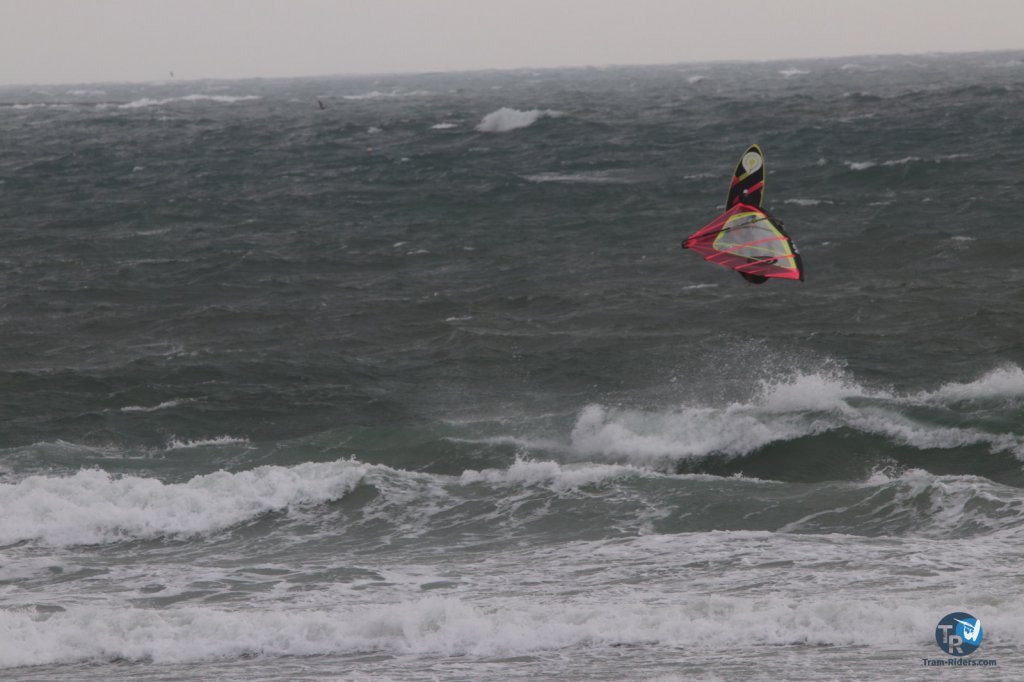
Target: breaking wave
pixel 455 627
pixel 177 444
pixel 916 503
pixel 505 119
pixel 377 94
pixel 95 507
pixel 865 165
pixel 167 404
pixel 223 99
pixel 806 405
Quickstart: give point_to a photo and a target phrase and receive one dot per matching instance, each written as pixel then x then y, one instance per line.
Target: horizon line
pixel 426 72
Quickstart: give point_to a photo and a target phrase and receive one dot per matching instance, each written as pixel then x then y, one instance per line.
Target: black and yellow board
pixel 748 180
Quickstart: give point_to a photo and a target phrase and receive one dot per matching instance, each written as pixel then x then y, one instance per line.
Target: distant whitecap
pixel 506 119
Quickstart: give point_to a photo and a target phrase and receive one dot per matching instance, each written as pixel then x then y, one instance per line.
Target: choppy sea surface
pixel 421 385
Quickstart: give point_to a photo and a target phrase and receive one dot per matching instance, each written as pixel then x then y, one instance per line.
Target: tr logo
pixel 959 634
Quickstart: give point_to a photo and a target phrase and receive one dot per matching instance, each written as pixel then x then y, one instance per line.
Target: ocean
pixel 420 384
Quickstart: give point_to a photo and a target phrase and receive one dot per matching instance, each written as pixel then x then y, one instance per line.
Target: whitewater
pixel 420 385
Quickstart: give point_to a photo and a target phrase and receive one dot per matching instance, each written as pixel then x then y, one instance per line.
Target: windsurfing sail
pixel 748 181
pixel 748 240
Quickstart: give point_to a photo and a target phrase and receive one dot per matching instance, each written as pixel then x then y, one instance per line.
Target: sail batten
pixel 746 239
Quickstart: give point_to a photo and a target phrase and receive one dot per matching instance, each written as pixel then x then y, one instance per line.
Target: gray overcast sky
pixel 77 41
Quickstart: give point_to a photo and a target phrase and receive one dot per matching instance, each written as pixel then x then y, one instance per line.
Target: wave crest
pixel 223 99
pixel 801 406
pixel 505 119
pixel 453 626
pixel 552 474
pixel 94 507
pixel 915 502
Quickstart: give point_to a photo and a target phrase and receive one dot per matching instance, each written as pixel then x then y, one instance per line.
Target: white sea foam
pixel 852 66
pixel 93 507
pixel 167 404
pixel 43 105
pixel 374 94
pixel 520 442
pixel 552 474
pixel 695 79
pixel 443 126
pixel 923 504
pixel 505 119
pixel 652 438
pixel 798 406
pixel 789 73
pixel 227 99
pixel 456 627
pixel 806 202
pixel 901 162
pixel 864 165
pixel 1000 383
pixel 176 444
pixel 224 99
pixel 816 391
pixel 377 94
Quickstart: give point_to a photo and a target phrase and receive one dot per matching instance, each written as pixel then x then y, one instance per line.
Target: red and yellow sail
pixel 748 240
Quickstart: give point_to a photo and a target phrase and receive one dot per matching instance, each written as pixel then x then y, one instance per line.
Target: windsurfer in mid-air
pixel 752 279
pixel 746 238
